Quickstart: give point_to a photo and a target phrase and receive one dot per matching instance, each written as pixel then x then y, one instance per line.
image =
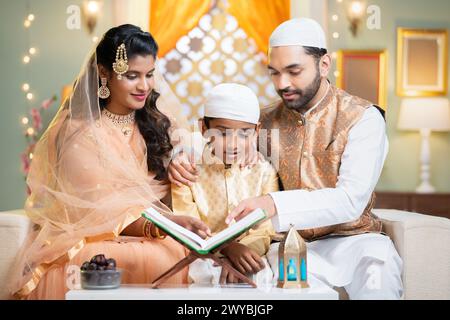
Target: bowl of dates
pixel 100 273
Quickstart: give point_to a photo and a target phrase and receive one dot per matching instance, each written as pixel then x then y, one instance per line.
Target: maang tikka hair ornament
pixel 121 65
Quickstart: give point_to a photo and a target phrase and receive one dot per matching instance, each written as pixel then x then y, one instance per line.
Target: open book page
pixel 193 241
pixel 235 229
pixel 190 238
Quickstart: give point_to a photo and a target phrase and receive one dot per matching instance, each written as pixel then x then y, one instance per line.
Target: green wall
pixel 401 171
pixel 61 53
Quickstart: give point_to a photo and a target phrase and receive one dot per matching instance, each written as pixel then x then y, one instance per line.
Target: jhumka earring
pixel 121 65
pixel 103 91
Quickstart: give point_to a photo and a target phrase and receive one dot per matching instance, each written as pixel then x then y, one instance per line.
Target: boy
pixel 231 126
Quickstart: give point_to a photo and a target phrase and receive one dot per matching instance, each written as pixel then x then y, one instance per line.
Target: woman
pixel 100 163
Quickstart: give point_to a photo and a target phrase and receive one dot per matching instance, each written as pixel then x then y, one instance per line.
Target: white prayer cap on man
pixel 232 101
pixel 299 32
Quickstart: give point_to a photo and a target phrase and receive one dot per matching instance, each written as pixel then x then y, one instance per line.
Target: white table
pixel 316 291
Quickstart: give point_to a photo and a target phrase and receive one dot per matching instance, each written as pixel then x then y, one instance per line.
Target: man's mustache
pixel 290 91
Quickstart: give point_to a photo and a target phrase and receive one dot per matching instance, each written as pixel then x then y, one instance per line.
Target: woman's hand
pixel 192 224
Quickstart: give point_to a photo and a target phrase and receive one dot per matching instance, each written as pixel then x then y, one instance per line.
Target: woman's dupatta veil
pixel 87 182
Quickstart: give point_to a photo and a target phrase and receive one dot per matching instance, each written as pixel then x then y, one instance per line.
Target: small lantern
pixel 292 264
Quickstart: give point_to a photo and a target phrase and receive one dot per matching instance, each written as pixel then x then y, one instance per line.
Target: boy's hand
pixel 182 170
pixel 226 276
pixel 193 224
pixel 244 259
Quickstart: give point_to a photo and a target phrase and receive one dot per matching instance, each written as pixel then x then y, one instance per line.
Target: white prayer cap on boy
pixel 299 32
pixel 232 101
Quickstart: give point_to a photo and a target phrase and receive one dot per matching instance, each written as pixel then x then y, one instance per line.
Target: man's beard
pixel 305 96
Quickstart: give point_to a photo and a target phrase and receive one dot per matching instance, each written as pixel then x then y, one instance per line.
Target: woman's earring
pixel 103 91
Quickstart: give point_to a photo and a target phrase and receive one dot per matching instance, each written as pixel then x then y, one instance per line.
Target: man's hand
pixel 182 170
pixel 244 259
pixel 193 224
pixel 247 206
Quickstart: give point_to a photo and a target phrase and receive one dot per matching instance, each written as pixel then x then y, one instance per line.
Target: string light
pixel 29 19
pixel 95 39
pixel 335 18
pixel 30 131
pixel 335 35
pixel 27 58
pixel 30 122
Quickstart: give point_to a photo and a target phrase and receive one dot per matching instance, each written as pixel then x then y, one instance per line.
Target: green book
pixel 193 241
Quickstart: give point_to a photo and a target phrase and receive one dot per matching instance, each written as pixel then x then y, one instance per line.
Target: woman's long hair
pixel 152 123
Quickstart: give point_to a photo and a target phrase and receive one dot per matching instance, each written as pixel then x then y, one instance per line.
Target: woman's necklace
pixel 124 122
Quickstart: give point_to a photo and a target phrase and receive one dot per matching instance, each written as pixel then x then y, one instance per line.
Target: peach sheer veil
pixel 87 182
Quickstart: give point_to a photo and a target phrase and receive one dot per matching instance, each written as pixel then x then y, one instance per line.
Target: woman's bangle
pixel 154 232
pixel 146 229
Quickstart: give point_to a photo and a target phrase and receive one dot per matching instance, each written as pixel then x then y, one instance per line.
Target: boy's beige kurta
pixel 314 144
pixel 218 190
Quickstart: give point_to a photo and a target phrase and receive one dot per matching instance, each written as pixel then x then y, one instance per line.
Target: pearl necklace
pixel 124 122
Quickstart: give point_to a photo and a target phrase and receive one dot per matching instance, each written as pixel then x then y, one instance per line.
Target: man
pixel 332 149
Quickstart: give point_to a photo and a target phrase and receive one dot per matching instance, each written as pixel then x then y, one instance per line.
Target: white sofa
pixel 422 241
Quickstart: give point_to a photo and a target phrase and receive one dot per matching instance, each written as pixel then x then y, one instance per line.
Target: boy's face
pixel 231 140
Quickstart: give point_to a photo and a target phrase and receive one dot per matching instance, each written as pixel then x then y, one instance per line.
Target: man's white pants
pixel 367 266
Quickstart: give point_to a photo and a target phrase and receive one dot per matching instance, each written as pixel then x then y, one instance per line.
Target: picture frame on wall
pixel 422 62
pixel 363 73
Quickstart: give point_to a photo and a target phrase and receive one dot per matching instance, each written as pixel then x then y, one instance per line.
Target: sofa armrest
pixel 14 227
pixel 423 242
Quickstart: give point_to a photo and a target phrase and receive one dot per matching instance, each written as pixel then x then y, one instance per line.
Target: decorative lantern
pixel 292 264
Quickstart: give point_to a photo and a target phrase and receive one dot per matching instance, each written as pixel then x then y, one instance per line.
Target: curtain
pixel 258 18
pixel 172 19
